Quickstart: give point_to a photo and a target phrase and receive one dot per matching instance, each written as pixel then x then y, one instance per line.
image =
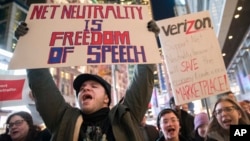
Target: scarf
pixel 96 126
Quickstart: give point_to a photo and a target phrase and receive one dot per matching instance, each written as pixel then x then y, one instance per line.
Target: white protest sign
pixel 193 57
pixel 14 90
pixel 62 35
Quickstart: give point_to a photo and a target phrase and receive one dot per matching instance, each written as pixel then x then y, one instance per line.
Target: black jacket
pixel 152 132
pixel 187 124
pixel 197 137
pixel 41 136
pixel 181 138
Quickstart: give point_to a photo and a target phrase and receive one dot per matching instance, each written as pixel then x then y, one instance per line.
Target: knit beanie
pixel 200 119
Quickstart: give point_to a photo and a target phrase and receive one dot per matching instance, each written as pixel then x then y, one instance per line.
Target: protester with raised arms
pixel 94 120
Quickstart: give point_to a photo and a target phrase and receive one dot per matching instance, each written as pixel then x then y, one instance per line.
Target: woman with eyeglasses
pixel 20 127
pixel 226 112
pixel 169 125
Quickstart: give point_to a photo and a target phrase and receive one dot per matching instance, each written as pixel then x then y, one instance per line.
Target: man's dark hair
pixel 229 92
pixel 162 113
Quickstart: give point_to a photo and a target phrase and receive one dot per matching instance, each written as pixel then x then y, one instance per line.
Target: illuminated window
pixel 67 76
pixel 239 8
pixel 236 16
pixel 62 74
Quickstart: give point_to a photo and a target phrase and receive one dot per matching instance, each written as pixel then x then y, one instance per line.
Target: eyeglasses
pixel 174 120
pixel 225 109
pixel 16 123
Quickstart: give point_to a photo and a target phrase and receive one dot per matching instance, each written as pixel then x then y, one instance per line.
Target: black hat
pixel 80 79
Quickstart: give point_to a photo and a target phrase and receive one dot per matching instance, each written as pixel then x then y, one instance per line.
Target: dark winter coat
pixel 197 137
pixel 65 121
pixel 187 124
pixel 41 136
pixel 181 138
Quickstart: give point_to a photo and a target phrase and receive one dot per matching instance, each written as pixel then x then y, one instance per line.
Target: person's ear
pixel 106 99
pixel 240 115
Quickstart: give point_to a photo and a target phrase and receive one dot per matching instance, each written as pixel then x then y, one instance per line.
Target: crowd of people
pixel 173 124
pixel 95 121
pixel 178 125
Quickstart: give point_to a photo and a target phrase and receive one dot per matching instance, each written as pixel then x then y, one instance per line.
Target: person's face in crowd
pixel 174 106
pixel 18 128
pixel 231 96
pixel 245 107
pixel 170 126
pixel 227 114
pixel 92 97
pixel 202 130
pixel 248 104
pixel 184 107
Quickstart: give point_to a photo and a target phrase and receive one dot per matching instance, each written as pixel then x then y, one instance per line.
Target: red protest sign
pixel 11 89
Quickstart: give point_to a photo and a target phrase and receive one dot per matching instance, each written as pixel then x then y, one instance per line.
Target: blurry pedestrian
pixel 201 121
pixel 248 105
pixel 226 112
pixel 231 95
pixel 150 132
pixel 245 108
pixel 185 107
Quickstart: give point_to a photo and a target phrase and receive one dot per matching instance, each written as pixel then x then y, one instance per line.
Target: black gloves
pixel 21 30
pixel 152 26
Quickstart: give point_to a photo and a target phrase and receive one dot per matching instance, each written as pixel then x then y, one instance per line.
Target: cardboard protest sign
pixel 193 57
pixel 62 35
pixel 14 90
